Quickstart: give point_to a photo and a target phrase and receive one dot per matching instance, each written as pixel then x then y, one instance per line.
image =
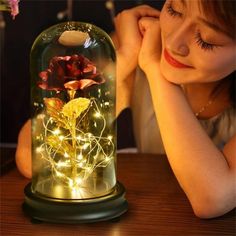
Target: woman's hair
pixel 224 13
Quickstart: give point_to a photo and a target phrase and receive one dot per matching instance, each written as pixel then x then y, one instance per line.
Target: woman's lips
pixel 173 62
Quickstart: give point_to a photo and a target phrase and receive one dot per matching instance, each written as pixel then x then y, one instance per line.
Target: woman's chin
pixel 171 77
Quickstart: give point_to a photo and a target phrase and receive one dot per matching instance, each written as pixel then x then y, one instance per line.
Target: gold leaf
pixel 53 108
pixel 55 103
pixel 75 107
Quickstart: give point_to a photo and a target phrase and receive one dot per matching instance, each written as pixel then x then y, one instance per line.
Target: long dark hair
pixel 223 11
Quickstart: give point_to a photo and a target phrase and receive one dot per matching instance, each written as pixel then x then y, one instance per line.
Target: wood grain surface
pixel 157 206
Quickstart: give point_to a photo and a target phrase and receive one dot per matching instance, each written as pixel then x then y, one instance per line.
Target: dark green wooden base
pixel 109 207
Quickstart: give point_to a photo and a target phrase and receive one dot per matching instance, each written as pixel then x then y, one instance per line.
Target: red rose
pixel 69 73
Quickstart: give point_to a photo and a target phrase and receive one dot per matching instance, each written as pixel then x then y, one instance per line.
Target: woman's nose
pixel 177 41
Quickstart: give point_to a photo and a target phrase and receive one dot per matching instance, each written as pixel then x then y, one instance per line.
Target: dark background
pixel 16 39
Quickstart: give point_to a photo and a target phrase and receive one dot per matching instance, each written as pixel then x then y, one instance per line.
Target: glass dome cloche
pixel 73 92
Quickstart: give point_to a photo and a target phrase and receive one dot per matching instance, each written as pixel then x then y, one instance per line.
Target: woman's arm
pixel 206 174
pixel 23 150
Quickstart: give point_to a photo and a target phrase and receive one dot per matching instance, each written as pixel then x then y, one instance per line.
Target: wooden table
pixel 157 206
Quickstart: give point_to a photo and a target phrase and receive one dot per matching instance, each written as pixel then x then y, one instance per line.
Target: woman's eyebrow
pixel 209 24
pixel 212 26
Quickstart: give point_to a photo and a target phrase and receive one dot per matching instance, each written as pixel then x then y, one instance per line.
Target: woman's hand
pixel 128 40
pixel 129 37
pixel 150 52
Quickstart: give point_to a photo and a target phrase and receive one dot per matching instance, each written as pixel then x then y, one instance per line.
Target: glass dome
pixel 73 112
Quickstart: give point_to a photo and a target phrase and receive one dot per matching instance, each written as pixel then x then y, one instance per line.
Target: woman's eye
pixel 204 45
pixel 171 11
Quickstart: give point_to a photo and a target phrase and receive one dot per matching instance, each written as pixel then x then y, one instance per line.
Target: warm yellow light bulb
pixel 39 149
pixel 85 146
pixel 66 154
pixel 97 114
pixel 40 116
pixel 71 183
pixel 62 164
pixel 79 180
pixel 81 164
pixel 56 131
pixel 59 174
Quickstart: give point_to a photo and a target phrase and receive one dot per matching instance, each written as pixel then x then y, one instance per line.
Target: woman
pixel 183 96
pixel 188 54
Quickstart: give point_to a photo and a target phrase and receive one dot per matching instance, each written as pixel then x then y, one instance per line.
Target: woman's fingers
pixel 145 10
pixel 151 44
pixel 128 39
pixel 145 23
pixel 127 28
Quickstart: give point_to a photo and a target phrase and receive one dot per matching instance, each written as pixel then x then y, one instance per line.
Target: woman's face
pixel 194 48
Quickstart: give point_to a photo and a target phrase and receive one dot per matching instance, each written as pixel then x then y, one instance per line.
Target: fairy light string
pixel 78 151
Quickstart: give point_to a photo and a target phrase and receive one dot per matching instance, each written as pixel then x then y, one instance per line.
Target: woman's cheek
pixel 214 67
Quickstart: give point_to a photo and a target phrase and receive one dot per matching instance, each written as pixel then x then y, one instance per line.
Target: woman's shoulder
pixel 221 127
pixel 227 116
